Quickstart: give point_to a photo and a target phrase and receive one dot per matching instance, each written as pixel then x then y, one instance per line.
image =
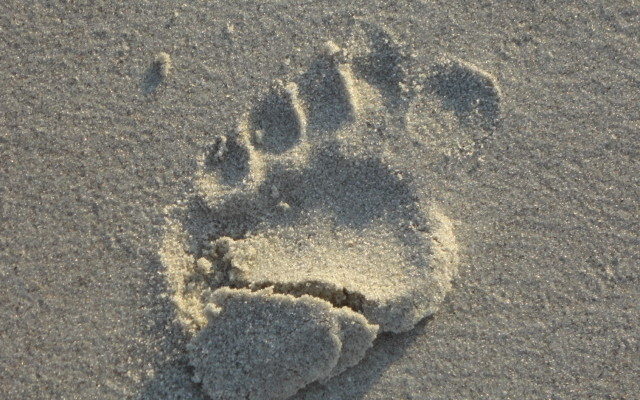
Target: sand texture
pixel 319 200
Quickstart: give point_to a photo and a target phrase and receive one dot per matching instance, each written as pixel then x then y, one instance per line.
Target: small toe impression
pixel 261 345
pixel 379 60
pixel 328 91
pixel 472 94
pixel 228 160
pixel 278 121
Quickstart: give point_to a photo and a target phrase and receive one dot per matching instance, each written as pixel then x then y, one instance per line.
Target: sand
pixel 485 154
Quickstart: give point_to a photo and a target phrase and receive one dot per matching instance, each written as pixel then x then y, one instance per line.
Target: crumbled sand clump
pixel 261 345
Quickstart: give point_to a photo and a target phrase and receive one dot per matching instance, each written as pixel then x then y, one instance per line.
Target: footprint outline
pixel 261 192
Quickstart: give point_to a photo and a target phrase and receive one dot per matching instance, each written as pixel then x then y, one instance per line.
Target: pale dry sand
pixel 109 112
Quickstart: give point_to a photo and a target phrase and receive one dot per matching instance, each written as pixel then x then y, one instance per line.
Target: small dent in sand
pixel 157 72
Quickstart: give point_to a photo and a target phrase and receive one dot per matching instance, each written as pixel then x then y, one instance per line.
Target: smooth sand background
pixel 547 302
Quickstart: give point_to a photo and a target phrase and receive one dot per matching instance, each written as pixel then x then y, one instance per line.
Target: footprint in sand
pixel 312 231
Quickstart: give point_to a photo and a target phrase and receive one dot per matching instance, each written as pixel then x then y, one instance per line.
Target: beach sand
pixel 407 200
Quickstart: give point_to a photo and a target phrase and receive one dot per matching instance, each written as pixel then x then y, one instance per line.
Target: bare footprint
pixel 312 230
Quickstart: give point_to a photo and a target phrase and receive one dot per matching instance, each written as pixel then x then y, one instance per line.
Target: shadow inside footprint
pixel 278 126
pixel 471 94
pixel 354 191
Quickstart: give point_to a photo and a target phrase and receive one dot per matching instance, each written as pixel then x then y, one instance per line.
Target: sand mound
pixel 274 344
